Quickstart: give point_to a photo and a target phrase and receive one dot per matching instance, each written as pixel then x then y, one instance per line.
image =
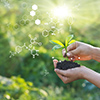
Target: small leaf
pixel 72 41
pixel 69 38
pixel 56 47
pixel 66 42
pixel 57 42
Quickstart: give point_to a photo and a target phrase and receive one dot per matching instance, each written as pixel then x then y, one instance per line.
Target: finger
pixel 72 58
pixel 60 76
pixel 55 61
pixel 73 53
pixel 63 72
pixel 75 58
pixel 72 46
pixel 64 53
pixel 63 78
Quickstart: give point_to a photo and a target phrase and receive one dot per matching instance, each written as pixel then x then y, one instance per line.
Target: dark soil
pixel 64 65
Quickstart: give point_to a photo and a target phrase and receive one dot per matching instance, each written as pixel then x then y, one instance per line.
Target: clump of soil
pixel 64 65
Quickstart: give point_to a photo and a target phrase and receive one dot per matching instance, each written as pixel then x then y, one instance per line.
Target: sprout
pixel 59 44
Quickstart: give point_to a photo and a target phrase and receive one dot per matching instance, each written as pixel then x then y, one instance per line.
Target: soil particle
pixel 64 65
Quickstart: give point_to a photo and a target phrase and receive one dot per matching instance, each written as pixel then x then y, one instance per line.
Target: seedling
pixel 64 65
pixel 69 40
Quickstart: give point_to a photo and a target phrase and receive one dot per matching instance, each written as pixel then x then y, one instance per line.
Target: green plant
pixel 66 43
pixel 16 88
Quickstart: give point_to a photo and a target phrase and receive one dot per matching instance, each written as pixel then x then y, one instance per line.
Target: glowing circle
pixel 61 12
pixel 37 22
pixel 52 57
pixel 34 7
pixel 32 13
pixel 79 58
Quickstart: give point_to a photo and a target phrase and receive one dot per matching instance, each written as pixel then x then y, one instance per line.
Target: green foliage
pixel 16 88
pixel 59 45
pixel 15 26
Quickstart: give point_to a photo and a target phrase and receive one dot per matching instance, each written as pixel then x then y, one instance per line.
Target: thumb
pixel 72 53
pixel 55 61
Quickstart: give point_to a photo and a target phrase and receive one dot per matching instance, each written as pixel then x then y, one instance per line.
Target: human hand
pixel 69 75
pixel 79 51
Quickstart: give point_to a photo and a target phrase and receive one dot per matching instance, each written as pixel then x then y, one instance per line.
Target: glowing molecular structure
pixel 33 41
pixel 52 27
pixel 30 48
pixel 46 73
pixel 70 22
pixel 34 7
pixel 37 22
pixel 12 54
pixel 69 17
pixel 6 4
pixel 34 52
pixel 45 33
pixel 32 13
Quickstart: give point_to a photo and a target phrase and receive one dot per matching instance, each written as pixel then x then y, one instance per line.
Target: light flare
pixel 62 12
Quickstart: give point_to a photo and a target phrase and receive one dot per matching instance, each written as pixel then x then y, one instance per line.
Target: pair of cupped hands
pixel 75 51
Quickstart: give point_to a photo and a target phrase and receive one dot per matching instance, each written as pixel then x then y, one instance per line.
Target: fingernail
pixel 64 55
pixel 64 51
pixel 68 54
pixel 71 59
pixel 67 49
pixel 55 70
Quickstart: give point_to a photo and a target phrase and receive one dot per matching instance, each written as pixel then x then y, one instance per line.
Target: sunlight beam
pixel 61 12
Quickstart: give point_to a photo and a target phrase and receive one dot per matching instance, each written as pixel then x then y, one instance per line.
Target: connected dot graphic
pixel 52 26
pixel 37 22
pixel 31 47
pixel 46 73
pixel 32 13
pixel 45 33
pixel 34 7
pixel 70 22
pixel 6 4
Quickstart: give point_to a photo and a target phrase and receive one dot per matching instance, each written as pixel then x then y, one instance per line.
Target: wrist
pixel 84 72
pixel 96 54
pixel 92 52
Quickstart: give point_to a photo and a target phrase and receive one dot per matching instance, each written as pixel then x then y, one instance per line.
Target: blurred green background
pixel 26 78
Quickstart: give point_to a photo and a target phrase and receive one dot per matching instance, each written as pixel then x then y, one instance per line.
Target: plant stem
pixel 66 52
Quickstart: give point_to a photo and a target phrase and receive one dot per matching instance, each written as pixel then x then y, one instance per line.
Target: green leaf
pixel 57 42
pixel 66 42
pixel 56 47
pixel 72 41
pixel 68 39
